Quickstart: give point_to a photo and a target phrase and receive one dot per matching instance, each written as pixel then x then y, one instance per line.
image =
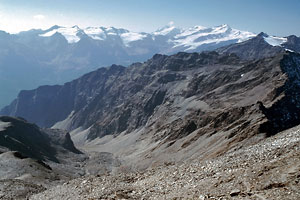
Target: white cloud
pixel 171 23
pixel 39 17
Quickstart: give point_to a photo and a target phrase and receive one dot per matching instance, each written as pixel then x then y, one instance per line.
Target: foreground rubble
pixel 267 170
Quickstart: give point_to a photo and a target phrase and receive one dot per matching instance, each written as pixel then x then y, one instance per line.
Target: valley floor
pixel 267 170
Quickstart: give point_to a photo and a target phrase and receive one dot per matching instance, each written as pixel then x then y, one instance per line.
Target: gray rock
pixel 235 192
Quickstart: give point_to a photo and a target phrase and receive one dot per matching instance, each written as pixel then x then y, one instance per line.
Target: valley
pixel 208 125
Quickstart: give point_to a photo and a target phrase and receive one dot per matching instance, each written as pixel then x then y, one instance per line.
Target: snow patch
pixel 4 125
pixel 289 50
pixel 275 41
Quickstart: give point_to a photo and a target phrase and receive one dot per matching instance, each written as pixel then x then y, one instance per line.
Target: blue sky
pixel 275 17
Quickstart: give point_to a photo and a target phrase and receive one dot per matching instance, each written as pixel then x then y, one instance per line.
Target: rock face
pixel 293 43
pixel 33 142
pixel 75 95
pixel 188 103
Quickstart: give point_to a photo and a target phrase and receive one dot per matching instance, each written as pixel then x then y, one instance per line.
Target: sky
pixel 275 17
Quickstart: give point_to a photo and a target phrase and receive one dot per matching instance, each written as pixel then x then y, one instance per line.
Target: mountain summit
pixel 60 54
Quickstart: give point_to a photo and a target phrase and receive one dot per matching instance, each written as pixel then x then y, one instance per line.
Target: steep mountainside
pixel 293 43
pixel 60 54
pixel 186 105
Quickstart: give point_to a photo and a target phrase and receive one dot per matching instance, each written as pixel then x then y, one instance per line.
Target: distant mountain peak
pixel 167 30
pixel 198 27
pixel 262 34
pixel 49 56
pixel 223 26
pixel 53 28
pixel 76 26
pixel 70 33
pixel 184 38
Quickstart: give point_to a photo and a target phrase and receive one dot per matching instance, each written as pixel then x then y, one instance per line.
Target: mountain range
pixel 60 54
pixel 230 94
pixel 196 112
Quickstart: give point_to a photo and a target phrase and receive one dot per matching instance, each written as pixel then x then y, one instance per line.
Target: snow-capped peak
pixel 223 26
pixel 191 31
pixel 194 37
pixel 187 39
pixel 71 33
pixel 167 30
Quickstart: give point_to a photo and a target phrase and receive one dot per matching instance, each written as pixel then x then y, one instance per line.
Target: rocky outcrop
pixel 293 43
pixel 31 141
pixel 284 113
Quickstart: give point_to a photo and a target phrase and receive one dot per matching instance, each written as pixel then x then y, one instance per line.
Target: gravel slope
pixel 267 170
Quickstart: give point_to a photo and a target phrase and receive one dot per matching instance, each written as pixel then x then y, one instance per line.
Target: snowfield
pixel 275 41
pixel 189 38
